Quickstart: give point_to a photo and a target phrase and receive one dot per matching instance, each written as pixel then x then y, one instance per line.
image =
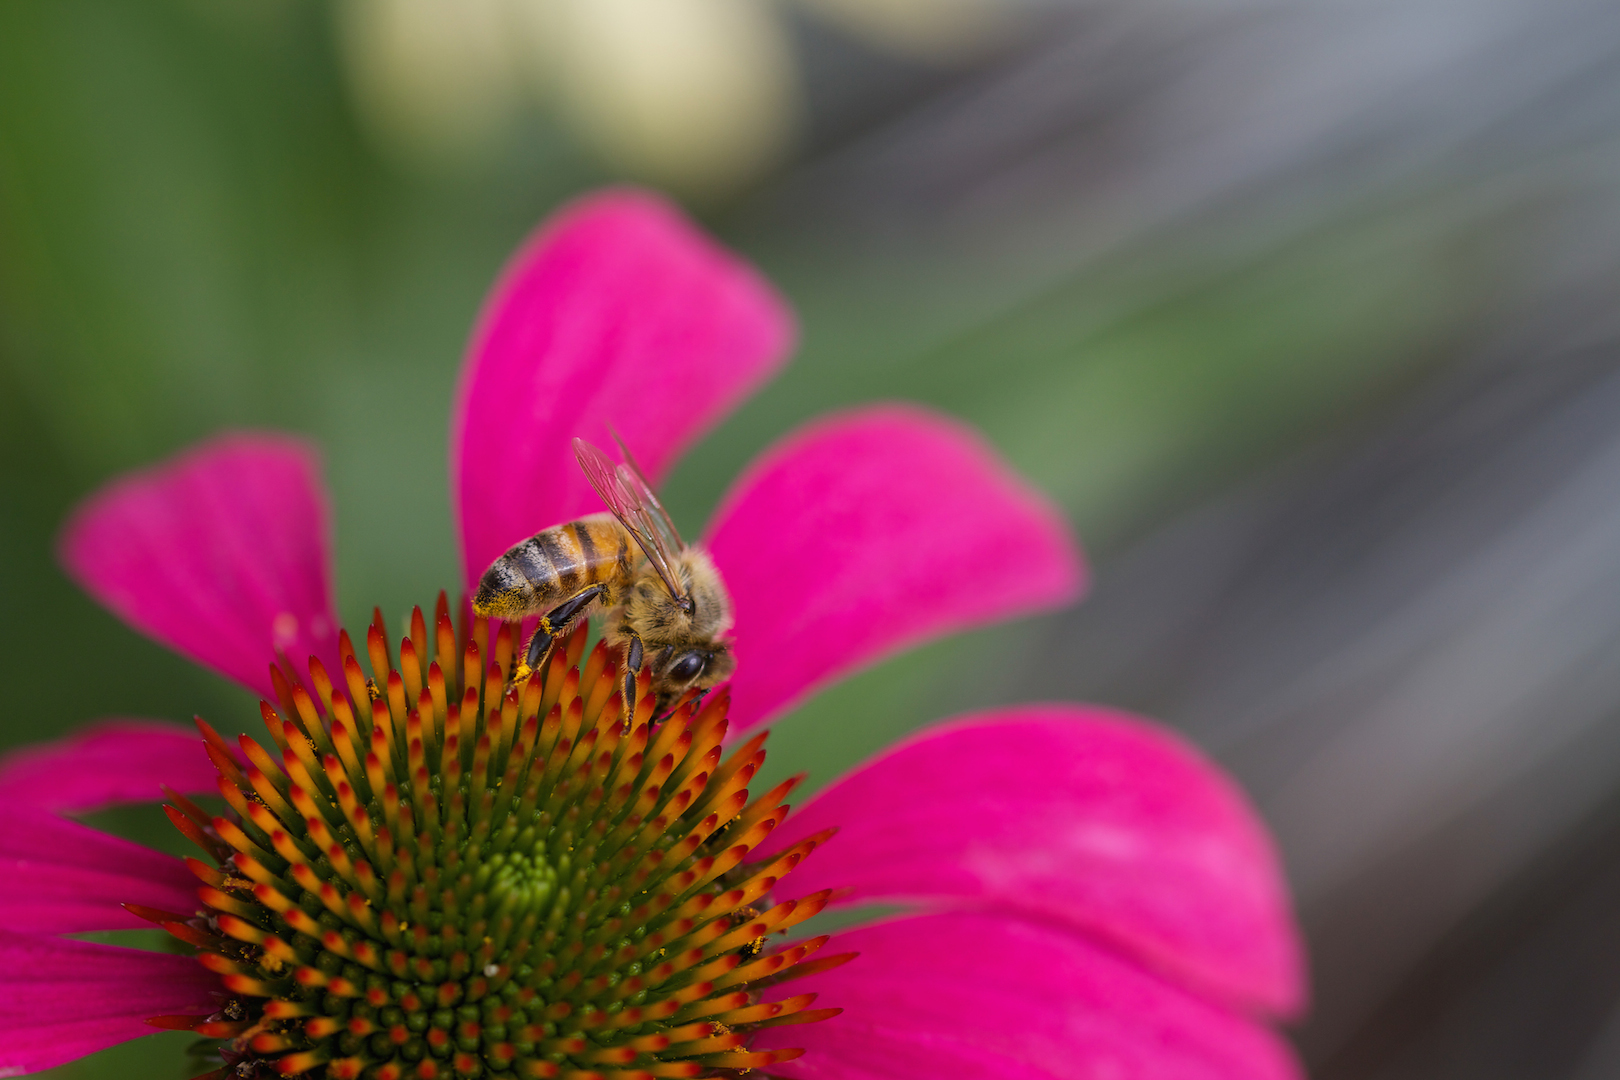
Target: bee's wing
pixel 627 496
pixel 666 528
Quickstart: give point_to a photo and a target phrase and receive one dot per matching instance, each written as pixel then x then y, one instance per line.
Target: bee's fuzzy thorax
pixel 702 614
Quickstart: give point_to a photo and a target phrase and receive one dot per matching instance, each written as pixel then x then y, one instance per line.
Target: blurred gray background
pixel 1305 311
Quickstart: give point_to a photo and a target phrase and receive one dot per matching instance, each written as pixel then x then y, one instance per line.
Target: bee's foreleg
pixel 634 654
pixel 553 625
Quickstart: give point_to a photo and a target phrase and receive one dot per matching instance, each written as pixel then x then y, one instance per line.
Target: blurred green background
pixel 197 237
pixel 199 230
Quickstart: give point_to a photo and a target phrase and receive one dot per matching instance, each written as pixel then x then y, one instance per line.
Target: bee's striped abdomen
pixel 553 565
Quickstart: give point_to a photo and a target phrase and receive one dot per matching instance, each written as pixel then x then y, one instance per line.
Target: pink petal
pixel 220 553
pixel 975 997
pixel 110 761
pixel 61 1000
pixel 60 877
pixel 873 530
pixel 1079 817
pixel 616 311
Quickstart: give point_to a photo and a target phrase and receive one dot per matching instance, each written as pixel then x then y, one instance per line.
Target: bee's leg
pixel 634 654
pixel 697 703
pixel 553 625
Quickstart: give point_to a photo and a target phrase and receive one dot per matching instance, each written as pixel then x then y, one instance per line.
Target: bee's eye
pixel 687 667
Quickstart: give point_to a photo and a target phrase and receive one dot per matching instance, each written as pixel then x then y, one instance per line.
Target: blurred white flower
pixel 437 81
pixel 696 95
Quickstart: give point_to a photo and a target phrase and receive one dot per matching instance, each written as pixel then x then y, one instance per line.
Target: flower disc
pixel 434 874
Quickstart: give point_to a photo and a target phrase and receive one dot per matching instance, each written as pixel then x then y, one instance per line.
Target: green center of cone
pixel 521 880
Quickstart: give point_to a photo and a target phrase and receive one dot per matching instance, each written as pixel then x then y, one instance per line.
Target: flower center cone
pixel 432 873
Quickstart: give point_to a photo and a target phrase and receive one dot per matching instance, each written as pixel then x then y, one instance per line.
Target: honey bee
pixel 666 605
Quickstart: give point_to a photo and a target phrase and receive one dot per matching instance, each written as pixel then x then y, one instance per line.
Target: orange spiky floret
pixel 431 873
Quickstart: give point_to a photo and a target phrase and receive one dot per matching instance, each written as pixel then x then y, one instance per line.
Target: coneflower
pixel 425 869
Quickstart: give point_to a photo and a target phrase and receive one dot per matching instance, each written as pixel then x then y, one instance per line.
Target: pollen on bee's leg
pixel 464 875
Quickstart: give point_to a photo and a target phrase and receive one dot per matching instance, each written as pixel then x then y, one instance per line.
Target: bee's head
pixel 680 668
